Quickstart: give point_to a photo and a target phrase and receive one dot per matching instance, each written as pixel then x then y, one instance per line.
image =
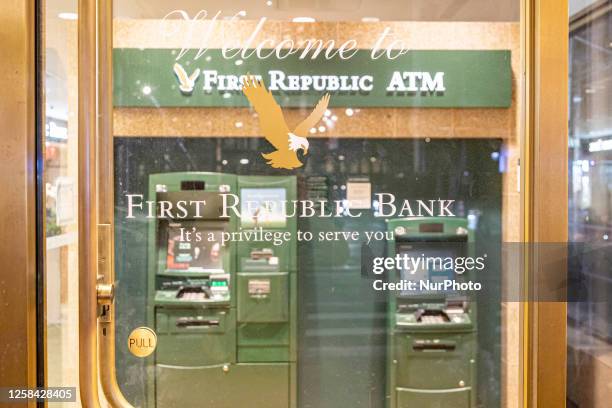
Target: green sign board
pixel 422 78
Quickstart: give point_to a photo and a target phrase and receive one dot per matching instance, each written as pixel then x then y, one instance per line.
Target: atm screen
pixel 200 252
pixel 431 264
pixel 263 207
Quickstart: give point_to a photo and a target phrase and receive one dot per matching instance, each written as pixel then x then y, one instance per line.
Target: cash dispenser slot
pixel 434 345
pixel 176 321
pixel 213 290
pixel 190 322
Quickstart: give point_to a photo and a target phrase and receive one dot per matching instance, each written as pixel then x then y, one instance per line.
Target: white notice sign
pixel 359 195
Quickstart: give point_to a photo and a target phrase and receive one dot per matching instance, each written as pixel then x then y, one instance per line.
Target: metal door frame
pixel 544 94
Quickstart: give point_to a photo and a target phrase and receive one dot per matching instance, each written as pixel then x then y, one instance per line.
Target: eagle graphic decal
pixel 275 129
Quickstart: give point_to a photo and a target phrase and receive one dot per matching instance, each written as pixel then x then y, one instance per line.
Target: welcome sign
pixel 417 78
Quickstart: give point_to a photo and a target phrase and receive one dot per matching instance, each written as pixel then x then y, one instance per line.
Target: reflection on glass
pixel 590 204
pixel 299 324
pixel 60 189
pixel 288 323
pixel 341 320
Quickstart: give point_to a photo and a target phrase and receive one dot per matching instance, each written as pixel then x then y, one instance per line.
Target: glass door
pixel 285 203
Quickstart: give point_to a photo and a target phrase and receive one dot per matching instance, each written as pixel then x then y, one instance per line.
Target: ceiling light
pixel 68 16
pixel 303 20
pixel 600 145
pixel 269 3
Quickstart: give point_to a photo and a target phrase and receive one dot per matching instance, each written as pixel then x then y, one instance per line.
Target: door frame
pixel 544 206
pixel 544 156
pixel 21 299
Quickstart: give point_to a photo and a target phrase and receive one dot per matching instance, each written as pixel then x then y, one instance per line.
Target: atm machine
pixel 431 346
pixel 225 315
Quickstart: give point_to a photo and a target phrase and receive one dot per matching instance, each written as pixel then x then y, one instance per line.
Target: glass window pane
pixel 590 210
pixel 60 189
pixel 277 165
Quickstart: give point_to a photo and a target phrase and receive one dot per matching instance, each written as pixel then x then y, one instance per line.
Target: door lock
pixel 105 293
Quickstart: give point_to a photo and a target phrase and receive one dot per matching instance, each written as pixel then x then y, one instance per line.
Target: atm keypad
pixel 193 296
pixel 434 319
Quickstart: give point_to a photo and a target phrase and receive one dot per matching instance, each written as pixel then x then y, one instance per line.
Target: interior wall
pixel 368 122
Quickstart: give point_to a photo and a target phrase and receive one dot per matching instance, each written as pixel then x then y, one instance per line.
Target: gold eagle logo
pixel 186 82
pixel 274 127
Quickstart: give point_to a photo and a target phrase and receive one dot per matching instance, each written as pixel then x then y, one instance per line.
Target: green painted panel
pixel 184 340
pixel 263 334
pixel 263 297
pixel 438 399
pixel 243 385
pixel 263 354
pixel 435 368
pixel 429 78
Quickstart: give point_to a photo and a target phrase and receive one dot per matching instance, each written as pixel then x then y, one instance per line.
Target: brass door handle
pixel 96 290
pixel 105 293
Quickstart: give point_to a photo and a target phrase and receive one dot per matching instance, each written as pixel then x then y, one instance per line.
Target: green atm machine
pixel 224 312
pixel 432 345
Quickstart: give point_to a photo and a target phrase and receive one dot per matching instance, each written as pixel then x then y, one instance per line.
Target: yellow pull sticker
pixel 142 341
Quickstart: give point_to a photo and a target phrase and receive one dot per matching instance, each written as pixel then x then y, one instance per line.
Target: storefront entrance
pixel 293 205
